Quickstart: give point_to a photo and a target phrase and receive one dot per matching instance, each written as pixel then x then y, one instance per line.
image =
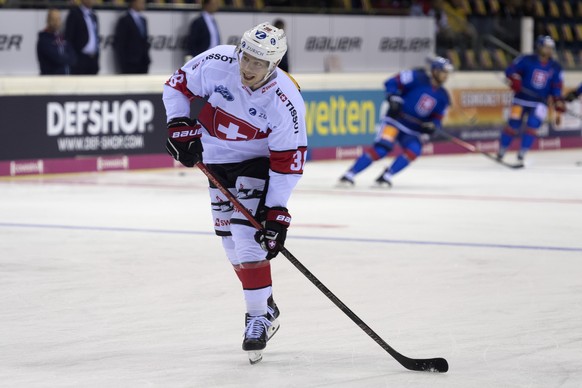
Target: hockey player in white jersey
pixel 233 108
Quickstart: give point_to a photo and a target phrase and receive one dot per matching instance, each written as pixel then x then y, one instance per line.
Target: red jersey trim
pixel 288 162
pixel 179 82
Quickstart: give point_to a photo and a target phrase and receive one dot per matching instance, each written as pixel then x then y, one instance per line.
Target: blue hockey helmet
pixel 545 41
pixel 442 64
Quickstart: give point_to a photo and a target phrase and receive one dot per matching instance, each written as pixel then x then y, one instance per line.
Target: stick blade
pixel 510 165
pixel 436 365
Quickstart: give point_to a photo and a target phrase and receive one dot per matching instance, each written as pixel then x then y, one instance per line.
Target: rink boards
pixel 109 123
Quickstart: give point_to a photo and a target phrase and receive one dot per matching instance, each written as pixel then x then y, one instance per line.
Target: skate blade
pixel 255 356
pixel 345 185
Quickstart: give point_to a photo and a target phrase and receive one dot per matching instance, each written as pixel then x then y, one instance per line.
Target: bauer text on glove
pixel 184 142
pixel 275 222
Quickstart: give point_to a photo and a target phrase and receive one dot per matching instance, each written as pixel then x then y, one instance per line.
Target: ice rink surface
pixel 116 279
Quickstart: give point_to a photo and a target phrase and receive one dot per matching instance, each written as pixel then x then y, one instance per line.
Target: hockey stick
pixel 470 147
pixel 430 364
pixel 464 144
pixel 531 93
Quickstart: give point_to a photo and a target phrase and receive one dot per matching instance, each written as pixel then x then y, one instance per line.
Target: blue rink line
pixel 294 237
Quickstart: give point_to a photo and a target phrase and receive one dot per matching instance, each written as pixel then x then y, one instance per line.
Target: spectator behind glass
pixel 506 25
pixel 55 55
pixel 204 32
pixel 284 64
pixel 445 36
pixel 464 33
pixel 131 40
pixel 82 32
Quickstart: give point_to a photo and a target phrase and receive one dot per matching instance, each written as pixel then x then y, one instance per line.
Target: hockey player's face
pixel 252 71
pixel 440 76
pixel 546 51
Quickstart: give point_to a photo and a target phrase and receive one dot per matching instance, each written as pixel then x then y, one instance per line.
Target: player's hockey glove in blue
pixel 184 142
pixel 275 222
pixel 429 128
pixel 571 96
pixel 395 103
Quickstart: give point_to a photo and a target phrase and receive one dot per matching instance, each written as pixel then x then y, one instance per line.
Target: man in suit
pixel 55 54
pixel 203 30
pixel 82 32
pixel 131 40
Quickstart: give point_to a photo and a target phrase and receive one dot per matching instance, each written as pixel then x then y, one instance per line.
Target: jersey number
pixel 298 161
pixel 176 79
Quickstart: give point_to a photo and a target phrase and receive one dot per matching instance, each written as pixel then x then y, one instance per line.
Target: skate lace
pixel 256 326
pixel 270 312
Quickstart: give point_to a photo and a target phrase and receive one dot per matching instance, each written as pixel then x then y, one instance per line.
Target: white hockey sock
pixel 256 300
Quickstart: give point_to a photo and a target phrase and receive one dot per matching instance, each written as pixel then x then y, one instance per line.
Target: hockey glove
pixel 515 82
pixel 559 105
pixel 395 105
pixel 184 142
pixel 275 222
pixel 429 128
pixel 571 96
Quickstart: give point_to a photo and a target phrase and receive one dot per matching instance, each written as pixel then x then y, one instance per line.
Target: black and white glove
pixel 571 96
pixel 184 142
pixel 395 103
pixel 275 222
pixel 429 128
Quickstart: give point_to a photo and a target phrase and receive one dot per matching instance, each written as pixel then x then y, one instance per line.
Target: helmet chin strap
pixel 272 67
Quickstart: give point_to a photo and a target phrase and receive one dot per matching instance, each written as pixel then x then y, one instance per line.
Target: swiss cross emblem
pixel 229 127
pixel 425 105
pixel 539 79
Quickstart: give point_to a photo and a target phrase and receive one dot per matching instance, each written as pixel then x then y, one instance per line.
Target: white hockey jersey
pixel 239 123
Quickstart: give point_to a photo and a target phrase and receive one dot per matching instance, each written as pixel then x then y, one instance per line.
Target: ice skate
pixel 256 336
pixel 382 181
pixel 272 314
pixel 520 160
pixel 346 181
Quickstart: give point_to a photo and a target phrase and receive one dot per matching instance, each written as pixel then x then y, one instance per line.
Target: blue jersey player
pixel 534 79
pixel 417 103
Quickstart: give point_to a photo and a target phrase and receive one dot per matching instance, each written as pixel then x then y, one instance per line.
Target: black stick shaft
pixel 470 147
pixel 432 364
